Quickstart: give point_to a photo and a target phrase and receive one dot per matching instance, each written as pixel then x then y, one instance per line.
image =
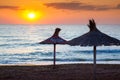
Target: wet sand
pixel 61 72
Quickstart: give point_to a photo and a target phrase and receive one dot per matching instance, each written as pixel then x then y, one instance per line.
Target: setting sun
pixel 31 15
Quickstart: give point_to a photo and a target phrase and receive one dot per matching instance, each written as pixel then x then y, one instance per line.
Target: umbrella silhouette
pixel 94 38
pixel 55 39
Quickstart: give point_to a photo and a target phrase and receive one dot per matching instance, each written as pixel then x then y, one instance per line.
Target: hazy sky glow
pixel 60 11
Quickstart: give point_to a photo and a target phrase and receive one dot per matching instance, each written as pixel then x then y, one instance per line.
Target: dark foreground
pixel 61 72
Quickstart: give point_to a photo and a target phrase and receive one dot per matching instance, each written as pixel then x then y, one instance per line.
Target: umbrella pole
pixel 94 62
pixel 54 55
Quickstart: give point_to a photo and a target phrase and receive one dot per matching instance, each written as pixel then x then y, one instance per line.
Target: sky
pixel 59 11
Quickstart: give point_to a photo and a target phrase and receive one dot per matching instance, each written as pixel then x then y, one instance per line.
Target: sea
pixel 19 45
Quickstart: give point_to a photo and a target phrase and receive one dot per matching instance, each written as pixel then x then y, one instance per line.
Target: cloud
pixel 118 6
pixel 71 6
pixel 79 6
pixel 10 7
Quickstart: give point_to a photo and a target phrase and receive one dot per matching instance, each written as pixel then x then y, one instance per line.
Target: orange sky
pixel 60 11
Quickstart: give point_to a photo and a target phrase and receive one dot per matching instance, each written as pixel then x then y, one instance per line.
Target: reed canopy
pixel 94 38
pixel 54 39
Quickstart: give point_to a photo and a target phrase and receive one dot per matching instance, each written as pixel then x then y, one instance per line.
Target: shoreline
pixel 61 72
pixel 60 63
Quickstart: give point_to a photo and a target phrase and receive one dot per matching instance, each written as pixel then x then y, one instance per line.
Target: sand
pixel 61 72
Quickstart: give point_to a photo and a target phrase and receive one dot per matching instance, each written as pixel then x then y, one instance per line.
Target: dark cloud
pixel 10 7
pixel 79 6
pixel 71 6
pixel 118 6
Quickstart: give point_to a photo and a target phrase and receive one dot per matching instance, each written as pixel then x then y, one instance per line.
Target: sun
pixel 31 15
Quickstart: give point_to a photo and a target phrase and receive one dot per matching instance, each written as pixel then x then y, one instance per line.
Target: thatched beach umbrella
pixel 55 39
pixel 94 38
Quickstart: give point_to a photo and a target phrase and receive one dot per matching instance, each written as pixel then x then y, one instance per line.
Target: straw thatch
pixel 94 38
pixel 55 39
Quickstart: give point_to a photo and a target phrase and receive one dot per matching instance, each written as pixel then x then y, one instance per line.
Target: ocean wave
pixel 18 40
pixel 62 60
pixel 108 59
pixel 98 51
pixel 75 59
pixel 15 45
pixel 15 60
pixel 42 53
pixel 8 36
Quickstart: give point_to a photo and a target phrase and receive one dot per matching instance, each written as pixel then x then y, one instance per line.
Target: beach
pixel 60 72
pixel 19 46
